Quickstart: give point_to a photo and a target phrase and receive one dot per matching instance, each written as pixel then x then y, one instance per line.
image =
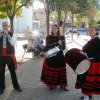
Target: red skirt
pixel 90 81
pixel 53 76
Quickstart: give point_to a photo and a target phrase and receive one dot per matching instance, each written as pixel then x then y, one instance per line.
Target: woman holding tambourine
pixel 89 82
pixel 54 66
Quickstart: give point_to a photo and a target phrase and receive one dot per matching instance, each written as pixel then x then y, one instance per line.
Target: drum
pixel 52 52
pixel 77 60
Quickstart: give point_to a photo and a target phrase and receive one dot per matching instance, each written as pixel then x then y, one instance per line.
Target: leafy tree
pixel 47 4
pixel 74 6
pixel 12 8
pixel 59 6
pixel 92 13
pixel 77 7
pixel 96 3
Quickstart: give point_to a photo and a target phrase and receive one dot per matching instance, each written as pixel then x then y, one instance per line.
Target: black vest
pixel 9 47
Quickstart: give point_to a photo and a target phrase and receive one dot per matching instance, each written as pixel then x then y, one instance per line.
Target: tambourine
pixel 52 52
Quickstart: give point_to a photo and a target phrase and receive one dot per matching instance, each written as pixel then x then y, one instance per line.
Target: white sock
pixel 86 97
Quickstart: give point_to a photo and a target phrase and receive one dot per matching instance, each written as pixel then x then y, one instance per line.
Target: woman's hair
pixel 96 29
pixel 58 33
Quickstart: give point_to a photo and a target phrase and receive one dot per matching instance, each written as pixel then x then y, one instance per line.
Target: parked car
pixel 82 29
pixel 74 30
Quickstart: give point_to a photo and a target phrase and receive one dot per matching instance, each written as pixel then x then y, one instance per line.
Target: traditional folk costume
pixel 90 81
pixel 7 56
pixel 54 68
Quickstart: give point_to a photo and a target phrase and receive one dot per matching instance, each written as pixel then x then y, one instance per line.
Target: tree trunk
pixel 47 19
pixel 59 17
pixel 11 23
pixel 72 25
pixel 47 16
pixel 59 12
pixel 64 22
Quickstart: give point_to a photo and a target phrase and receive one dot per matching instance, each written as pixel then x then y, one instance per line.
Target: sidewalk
pixel 19 51
pixel 29 78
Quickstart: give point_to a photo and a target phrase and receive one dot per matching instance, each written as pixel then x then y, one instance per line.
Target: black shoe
pixel 1 91
pixel 3 87
pixel 90 97
pixel 82 97
pixel 18 89
pixel 64 88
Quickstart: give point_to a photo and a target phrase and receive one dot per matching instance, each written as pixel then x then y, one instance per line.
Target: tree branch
pixel 6 2
pixel 20 7
pixel 44 3
pixel 14 5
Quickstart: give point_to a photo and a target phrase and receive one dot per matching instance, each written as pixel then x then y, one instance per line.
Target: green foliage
pixel 86 9
pixel 98 22
pixel 96 3
pixel 93 22
pixel 13 7
pixel 28 2
pixel 3 15
pixel 74 6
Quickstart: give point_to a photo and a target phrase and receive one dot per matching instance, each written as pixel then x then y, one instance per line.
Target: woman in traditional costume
pixel 54 67
pixel 90 81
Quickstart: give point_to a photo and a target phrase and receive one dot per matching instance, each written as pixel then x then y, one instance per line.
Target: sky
pixel 37 4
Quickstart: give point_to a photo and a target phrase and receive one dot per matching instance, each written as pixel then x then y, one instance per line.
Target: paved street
pixel 29 78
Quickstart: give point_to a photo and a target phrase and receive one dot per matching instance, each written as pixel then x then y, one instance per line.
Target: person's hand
pixel 6 33
pixel 42 46
pixel 60 42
